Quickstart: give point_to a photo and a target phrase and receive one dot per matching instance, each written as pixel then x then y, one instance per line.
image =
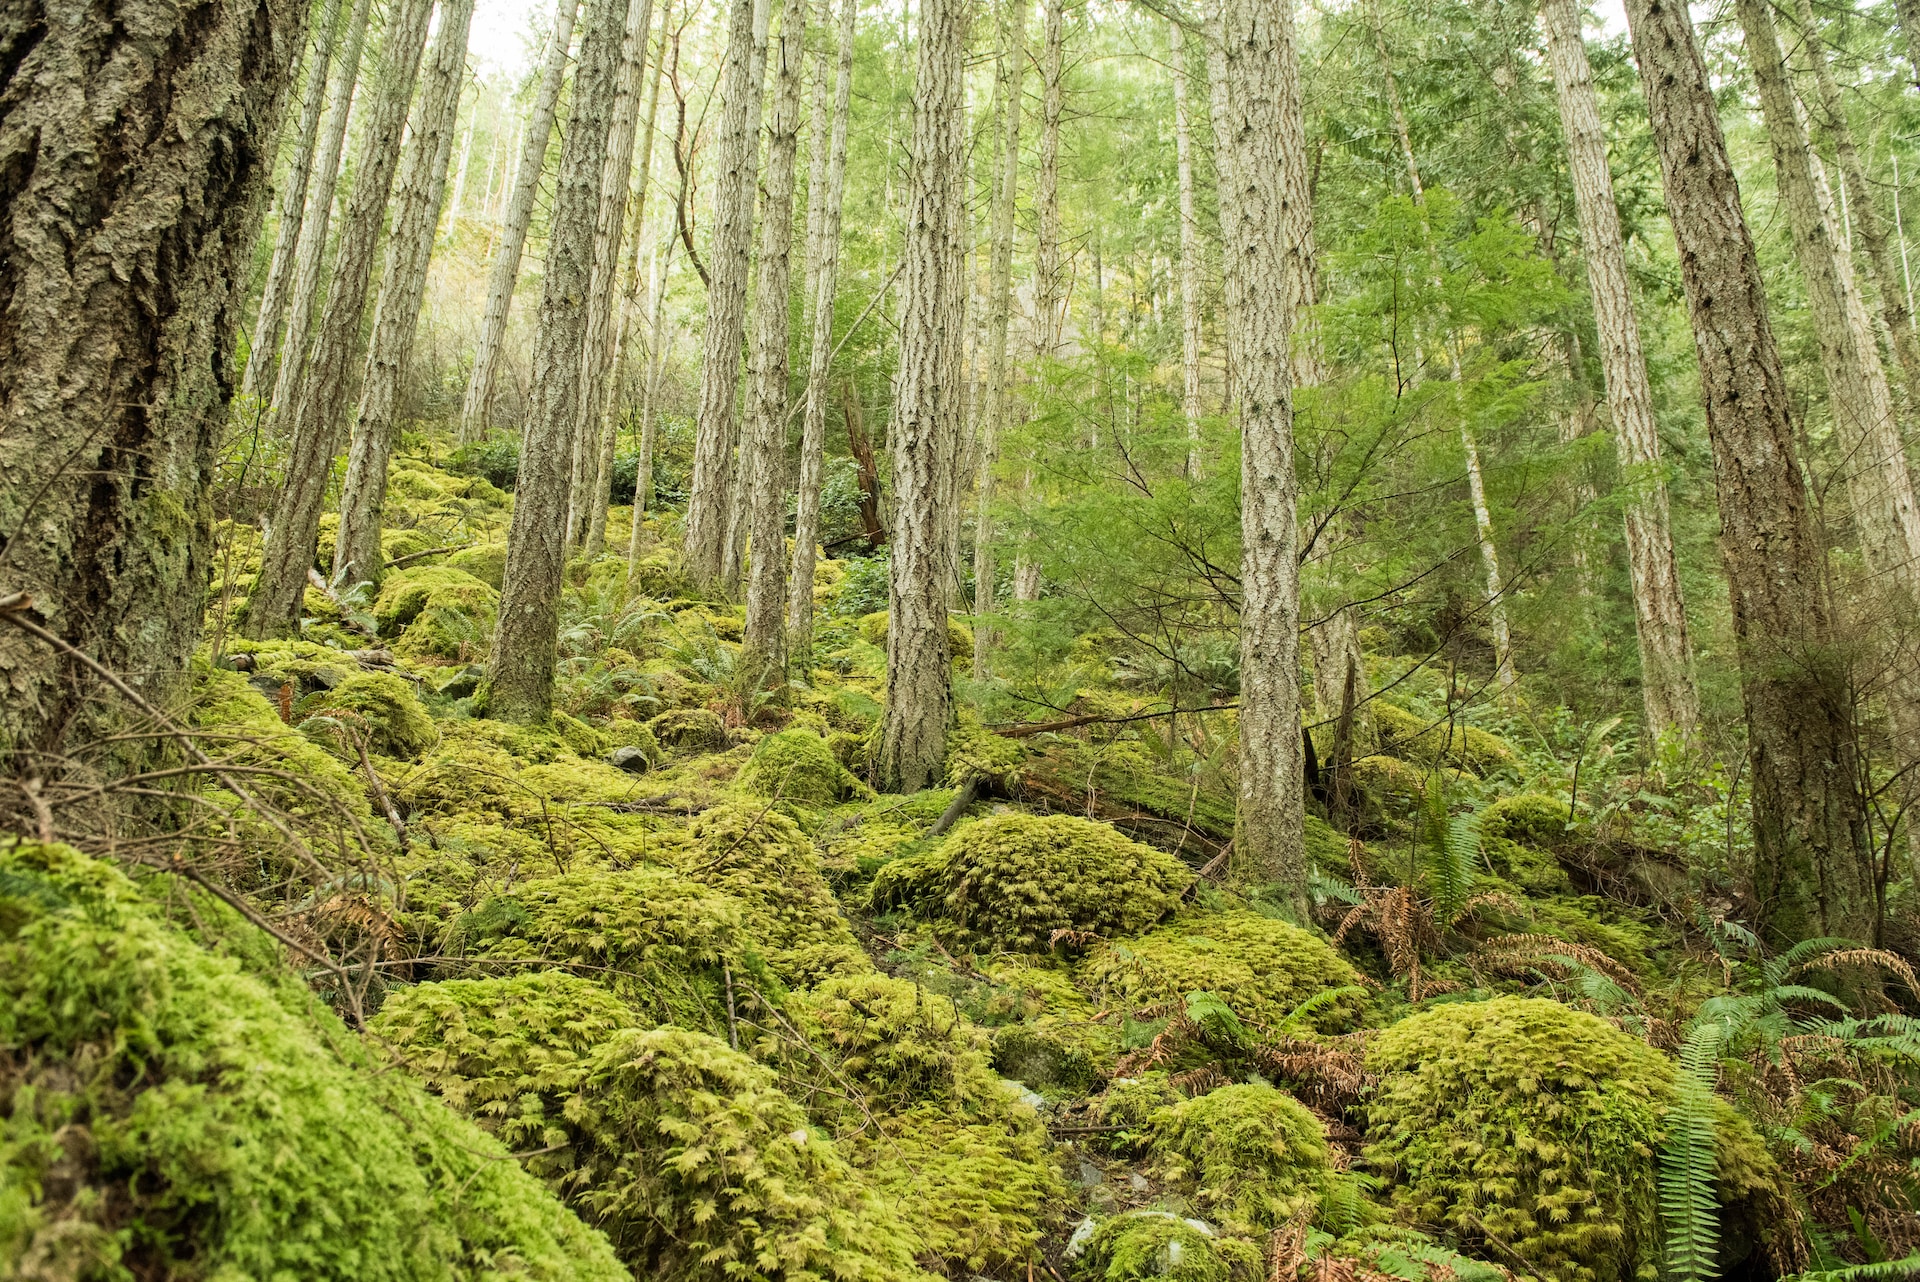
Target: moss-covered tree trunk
pixel 927 409
pixel 315 413
pixel 1811 875
pixel 136 144
pixel 520 685
pixel 422 183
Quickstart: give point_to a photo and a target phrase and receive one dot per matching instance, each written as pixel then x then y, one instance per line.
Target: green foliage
pixel 762 859
pixel 167 1115
pixel 377 705
pixel 1687 1162
pixel 436 611
pixel 1254 1154
pixel 1530 818
pixel 1261 967
pixel 974 752
pixel 798 766
pixel 898 1044
pixel 1160 1244
pixel 690 730
pixel 1011 881
pixel 1416 738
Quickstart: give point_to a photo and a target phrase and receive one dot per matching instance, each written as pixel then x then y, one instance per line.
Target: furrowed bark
pixel 136 146
pixel 519 685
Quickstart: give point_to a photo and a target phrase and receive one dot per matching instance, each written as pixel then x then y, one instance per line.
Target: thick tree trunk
pixel 357 554
pixel 1191 254
pixel 1223 160
pixel 1811 874
pixel 136 145
pixel 826 189
pixel 314 416
pixel 302 292
pixel 589 503
pixel 1269 836
pixel 716 426
pixel 927 409
pixel 1666 655
pixel 504 273
pixel 764 451
pixel 994 418
pixel 520 686
pixel 292 205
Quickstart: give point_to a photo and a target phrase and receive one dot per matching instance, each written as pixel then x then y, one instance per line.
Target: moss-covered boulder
pixel 486 562
pixel 797 766
pixel 286 769
pixel 684 1152
pixel 1412 737
pixel 1159 1244
pixel 168 1115
pixel 1263 968
pixel 378 706
pixel 1253 1155
pixel 762 859
pixel 690 731
pixel 899 1045
pixel 436 611
pixel 1012 881
pixel 872 628
pixel 1529 818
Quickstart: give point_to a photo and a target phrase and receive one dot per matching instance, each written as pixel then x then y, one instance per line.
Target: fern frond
pixel 1866 957
pixel 1901 1270
pixel 1687 1162
pixel 1451 864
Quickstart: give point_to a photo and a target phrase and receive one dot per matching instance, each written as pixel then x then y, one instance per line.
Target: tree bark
pixel 314 417
pixel 1191 254
pixel 927 409
pixel 716 428
pixel 1811 874
pixel 650 385
pixel 1049 284
pixel 136 146
pixel 1666 654
pixel 357 555
pixel 504 273
pixel 588 513
pixel 302 294
pixel 764 452
pixel 519 687
pixel 999 391
pixel 826 189
pixel 292 205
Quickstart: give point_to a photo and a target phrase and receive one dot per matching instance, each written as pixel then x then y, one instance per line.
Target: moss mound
pixel 872 628
pixel 1523 1120
pixel 1254 1155
pixel 378 705
pixel 486 562
pixel 898 1044
pixel 1530 818
pixel 798 766
pixel 167 1115
pixel 762 859
pixel 436 611
pixel 1261 967
pixel 691 730
pixel 1160 1244
pixel 1011 881
pixel 1409 736
pixel 684 1152
pixel 307 781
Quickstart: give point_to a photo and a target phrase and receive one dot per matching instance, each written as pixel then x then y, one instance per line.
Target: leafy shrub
pixel 381 706
pixel 496 459
pixel 1011 881
pixel 798 766
pixel 1261 967
pixel 169 1116
pixel 1254 1154
pixel 436 611
pixel 864 588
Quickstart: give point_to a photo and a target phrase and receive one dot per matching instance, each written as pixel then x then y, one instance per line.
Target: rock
pixel 631 759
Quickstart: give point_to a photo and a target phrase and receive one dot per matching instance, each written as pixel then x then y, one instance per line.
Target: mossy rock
pixel 684 1152
pixel 1530 818
pixel 1254 1155
pixel 288 770
pixel 1044 1061
pixel 486 562
pixel 1521 1121
pixel 378 705
pixel 1393 785
pixel 305 665
pixel 229 1129
pixel 872 628
pixel 1011 881
pixel 899 1045
pixel 974 752
pixel 1159 1244
pixel 624 732
pixel 662 574
pixel 761 858
pixel 1263 968
pixel 436 611
pixel 799 766
pixel 1412 737
pixel 691 730
pixel 395 544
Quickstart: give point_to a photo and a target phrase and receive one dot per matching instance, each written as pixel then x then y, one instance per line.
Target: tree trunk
pixel 716 427
pixel 764 452
pixel 314 416
pixel 504 273
pixel 927 409
pixel 302 292
pixel 1010 90
pixel 589 504
pixel 262 351
pixel 1049 284
pixel 826 189
pixel 136 146
pixel 1666 655
pixel 1223 160
pixel 1190 256
pixel 1811 874
pixel 649 420
pixel 520 686
pixel 1269 837
pixel 1909 11
pixel 357 555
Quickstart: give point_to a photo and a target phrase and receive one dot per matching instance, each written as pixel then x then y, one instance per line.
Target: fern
pixel 1454 852
pixel 1687 1163
pixel 1901 1270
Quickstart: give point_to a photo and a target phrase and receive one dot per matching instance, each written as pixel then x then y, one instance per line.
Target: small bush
pixel 496 460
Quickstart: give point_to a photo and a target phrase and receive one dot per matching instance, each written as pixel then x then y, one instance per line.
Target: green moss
pixel 1130 1104
pixel 582 740
pixel 1530 818
pixel 662 574
pixel 1045 1060
pixel 1410 736
pixel 306 665
pixel 684 1152
pixel 379 705
pixel 1262 967
pixel 872 628
pixel 623 732
pixel 1151 804
pixel 798 766
pixel 763 860
pixel 1011 881
pixel 486 562
pixel 285 769
pixel 222 1128
pixel 1254 1155
pixel 899 1045
pixel 436 611
pixel 974 752
pixel 690 730
pixel 1524 1121
pixel 1160 1244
